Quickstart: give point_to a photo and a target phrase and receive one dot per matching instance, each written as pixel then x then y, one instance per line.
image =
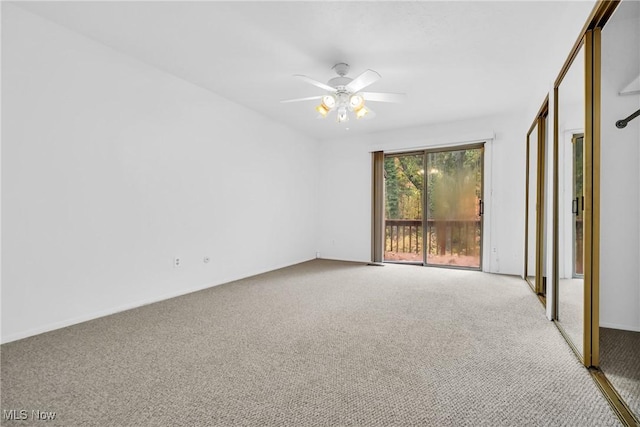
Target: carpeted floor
pixel 620 362
pixel 571 310
pixel 322 343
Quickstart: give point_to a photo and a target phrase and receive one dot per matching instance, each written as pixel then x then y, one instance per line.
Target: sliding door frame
pixel 590 36
pixel 479 145
pixel 588 279
pixel 590 39
pixel 377 207
pixel 378 199
pixel 422 204
pixel 541 122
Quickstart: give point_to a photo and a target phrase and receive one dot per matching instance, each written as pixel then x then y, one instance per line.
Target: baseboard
pixel 141 303
pixel 618 326
pixel 102 313
pixel 360 261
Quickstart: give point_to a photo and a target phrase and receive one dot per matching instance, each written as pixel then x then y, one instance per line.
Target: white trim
pixel 633 88
pixel 487 187
pixel 621 327
pixel 102 313
pixel 359 261
pixel 391 147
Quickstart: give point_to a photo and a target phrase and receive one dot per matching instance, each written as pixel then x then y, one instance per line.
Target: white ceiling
pixel 454 60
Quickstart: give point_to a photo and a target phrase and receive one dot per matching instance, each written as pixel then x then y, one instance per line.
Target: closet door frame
pixel 539 123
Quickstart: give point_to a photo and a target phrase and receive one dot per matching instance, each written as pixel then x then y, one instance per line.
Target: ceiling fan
pixel 343 94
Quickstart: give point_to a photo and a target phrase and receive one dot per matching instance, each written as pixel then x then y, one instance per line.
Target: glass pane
pixel 578 197
pixel 546 201
pixel 404 177
pixel 532 206
pixel 619 305
pixel 454 203
pixel 571 108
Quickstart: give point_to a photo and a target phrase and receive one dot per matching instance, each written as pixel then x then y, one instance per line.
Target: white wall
pixel 620 183
pixel 110 168
pixel 345 216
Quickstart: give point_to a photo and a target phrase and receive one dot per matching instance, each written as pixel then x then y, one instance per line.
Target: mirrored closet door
pixel 536 194
pixel 532 206
pixel 619 296
pixel 570 207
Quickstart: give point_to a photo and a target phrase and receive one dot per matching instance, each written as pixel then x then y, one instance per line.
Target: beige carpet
pixel 620 362
pixel 322 343
pixel 571 310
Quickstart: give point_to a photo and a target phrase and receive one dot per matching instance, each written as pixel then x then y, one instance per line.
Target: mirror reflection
pixel 619 203
pixel 570 280
pixel 543 147
pixel 532 183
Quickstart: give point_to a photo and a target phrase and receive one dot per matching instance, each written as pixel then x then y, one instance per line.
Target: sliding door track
pixel 617 403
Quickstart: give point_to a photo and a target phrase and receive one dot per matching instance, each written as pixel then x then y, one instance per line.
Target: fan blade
pixel 363 80
pixel 315 83
pixel 310 98
pixel 384 97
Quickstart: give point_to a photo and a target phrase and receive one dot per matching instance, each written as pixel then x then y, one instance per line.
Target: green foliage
pixel 403 187
pixel 454 184
pixel 453 191
pixel 578 166
pixel 454 180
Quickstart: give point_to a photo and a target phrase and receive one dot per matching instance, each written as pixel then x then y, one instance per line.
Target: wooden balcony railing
pixel 456 237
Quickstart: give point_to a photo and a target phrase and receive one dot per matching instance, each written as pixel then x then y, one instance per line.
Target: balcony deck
pixel 449 242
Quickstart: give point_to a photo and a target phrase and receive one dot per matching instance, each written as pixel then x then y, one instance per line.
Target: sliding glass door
pixel 577 205
pixel 454 208
pixel 447 186
pixel 404 182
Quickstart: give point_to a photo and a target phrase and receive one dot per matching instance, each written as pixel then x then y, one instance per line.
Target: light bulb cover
pixel 356 101
pixel 361 112
pixel 342 115
pixel 329 101
pixel 323 110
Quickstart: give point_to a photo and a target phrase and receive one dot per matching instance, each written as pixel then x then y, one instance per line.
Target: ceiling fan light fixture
pixel 361 112
pixel 342 94
pixel 323 110
pixel 329 101
pixel 356 101
pixel 342 115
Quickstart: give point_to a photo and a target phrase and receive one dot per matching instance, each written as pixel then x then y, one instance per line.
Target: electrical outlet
pixel 177 262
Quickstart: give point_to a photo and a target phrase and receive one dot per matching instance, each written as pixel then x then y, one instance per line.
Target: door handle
pixel 480 207
pixel 574 206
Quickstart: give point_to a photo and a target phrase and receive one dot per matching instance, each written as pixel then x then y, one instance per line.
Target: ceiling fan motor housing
pixel 341 69
pixel 340 82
